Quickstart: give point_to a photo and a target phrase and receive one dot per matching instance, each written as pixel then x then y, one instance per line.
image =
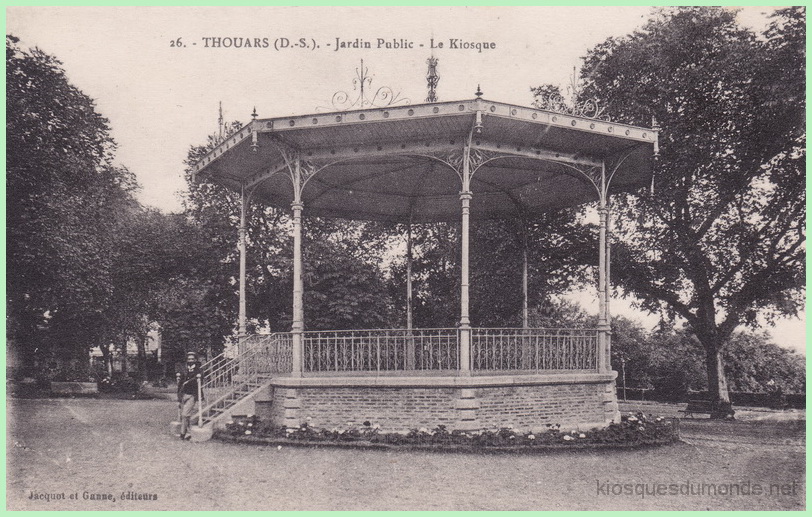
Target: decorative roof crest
pixel 362 84
pixel 589 108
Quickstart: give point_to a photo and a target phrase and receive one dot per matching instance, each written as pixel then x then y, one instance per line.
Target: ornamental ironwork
pixel 579 107
pixel 588 108
pixel 360 97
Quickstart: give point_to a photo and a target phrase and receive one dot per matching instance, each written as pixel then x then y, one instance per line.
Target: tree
pixel 752 360
pixel 345 287
pixel 62 194
pixel 722 239
pixel 435 277
pixel 559 249
pixel 163 272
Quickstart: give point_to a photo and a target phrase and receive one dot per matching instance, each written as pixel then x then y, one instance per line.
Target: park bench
pixel 698 406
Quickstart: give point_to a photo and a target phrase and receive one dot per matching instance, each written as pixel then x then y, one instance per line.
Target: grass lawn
pixel 86 446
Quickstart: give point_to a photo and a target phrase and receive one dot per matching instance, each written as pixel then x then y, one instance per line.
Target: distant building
pixel 153 350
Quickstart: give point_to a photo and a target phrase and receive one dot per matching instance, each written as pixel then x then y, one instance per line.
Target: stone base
pixel 399 404
pixel 201 434
pixel 611 410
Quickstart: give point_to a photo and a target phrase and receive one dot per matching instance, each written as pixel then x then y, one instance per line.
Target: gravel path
pixel 84 447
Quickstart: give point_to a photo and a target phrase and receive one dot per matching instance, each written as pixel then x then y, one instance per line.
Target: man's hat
pixel 191 355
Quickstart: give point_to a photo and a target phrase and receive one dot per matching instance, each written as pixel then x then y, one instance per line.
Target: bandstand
pixel 432 162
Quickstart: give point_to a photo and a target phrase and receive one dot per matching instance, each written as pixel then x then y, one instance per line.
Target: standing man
pixel 187 393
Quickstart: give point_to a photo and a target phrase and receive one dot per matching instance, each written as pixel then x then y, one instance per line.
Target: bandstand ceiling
pixel 394 163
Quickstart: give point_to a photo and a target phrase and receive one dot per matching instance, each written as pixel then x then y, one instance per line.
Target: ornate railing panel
pixel 534 349
pixel 394 350
pixel 381 350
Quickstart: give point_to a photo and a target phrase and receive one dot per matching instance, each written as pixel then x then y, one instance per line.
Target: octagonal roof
pixel 397 163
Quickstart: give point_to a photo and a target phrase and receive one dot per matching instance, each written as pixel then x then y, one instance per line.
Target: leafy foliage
pixel 559 249
pixel 62 196
pixel 752 360
pixel 90 265
pixel 165 272
pixel 671 361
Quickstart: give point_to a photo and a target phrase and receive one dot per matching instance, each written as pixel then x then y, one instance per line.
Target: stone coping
pixel 477 381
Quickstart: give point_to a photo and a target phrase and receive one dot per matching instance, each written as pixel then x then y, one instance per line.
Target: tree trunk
pixel 142 358
pixel 124 359
pixel 107 359
pixel 717 382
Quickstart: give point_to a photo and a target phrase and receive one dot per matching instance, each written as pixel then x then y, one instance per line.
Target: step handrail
pixel 214 368
pixel 251 377
pixel 248 365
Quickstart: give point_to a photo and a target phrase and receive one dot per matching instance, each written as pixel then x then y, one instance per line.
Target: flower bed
pixel 634 430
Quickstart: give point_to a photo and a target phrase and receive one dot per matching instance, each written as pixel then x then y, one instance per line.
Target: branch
pixel 753 290
pixel 726 199
pixel 671 299
pixel 732 271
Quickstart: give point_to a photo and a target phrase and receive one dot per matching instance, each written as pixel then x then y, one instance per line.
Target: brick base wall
pixel 533 407
pixel 392 408
pixel 470 404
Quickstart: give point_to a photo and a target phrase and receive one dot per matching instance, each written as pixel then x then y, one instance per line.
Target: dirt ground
pixel 73 449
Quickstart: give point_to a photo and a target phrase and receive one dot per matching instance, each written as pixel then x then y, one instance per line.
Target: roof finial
pixel 254 113
pixel 220 124
pixel 432 78
pixel 478 92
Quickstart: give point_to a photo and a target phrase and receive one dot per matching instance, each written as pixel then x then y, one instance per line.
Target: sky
pixel 158 75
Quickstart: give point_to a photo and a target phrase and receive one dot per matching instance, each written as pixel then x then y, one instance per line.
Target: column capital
pixel 297 205
pixel 466 195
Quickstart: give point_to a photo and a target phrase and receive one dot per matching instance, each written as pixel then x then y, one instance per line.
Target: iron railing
pixel 534 349
pixel 402 350
pixel 384 350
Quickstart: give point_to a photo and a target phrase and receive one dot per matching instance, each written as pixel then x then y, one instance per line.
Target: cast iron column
pixel 409 274
pixel 603 322
pixel 465 321
pixel 410 345
pixel 607 286
pixel 525 310
pixel 298 290
pixel 298 311
pixel 241 333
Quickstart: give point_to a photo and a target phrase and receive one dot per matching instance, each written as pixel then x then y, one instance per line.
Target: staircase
pixel 230 381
